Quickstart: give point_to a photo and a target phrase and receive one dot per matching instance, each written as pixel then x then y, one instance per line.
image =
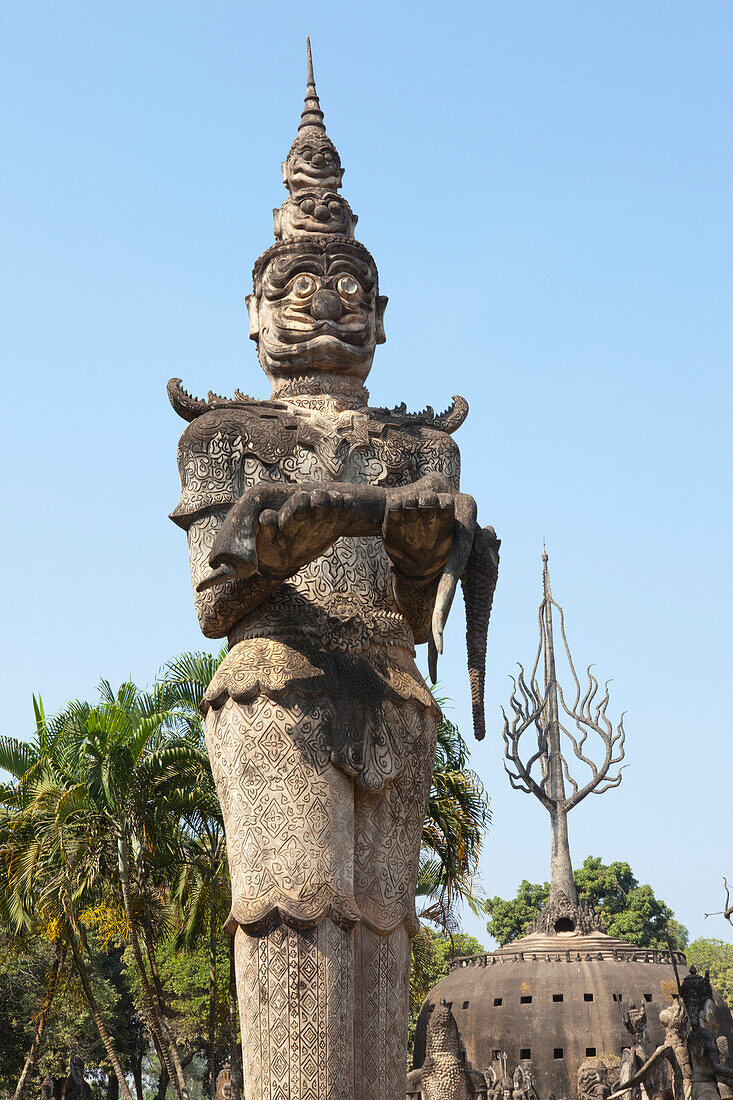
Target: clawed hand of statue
pixel 274 530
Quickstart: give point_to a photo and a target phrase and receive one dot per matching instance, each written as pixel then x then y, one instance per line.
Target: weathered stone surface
pixel 688 1046
pixel 326 539
pixel 444 1074
pixel 224 1083
pixel 75 1087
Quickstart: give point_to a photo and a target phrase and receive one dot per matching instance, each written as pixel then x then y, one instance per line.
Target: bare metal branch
pixel 727 911
pixel 588 712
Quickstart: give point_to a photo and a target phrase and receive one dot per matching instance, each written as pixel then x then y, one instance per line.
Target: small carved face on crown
pixel 314 212
pixel 316 309
pixel 312 162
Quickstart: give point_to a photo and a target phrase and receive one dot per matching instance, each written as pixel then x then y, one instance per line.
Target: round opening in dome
pixel 564 924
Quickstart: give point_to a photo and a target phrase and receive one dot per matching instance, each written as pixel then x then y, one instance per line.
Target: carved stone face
pixel 312 162
pixel 47 1089
pixel 314 212
pixel 316 309
pixel 593 1081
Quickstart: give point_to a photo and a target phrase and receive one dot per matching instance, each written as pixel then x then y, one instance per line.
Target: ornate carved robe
pixel 321 733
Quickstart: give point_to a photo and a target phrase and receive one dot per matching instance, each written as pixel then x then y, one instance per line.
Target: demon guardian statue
pixel 326 539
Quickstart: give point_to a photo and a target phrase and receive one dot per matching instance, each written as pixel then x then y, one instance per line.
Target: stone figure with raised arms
pixel 326 539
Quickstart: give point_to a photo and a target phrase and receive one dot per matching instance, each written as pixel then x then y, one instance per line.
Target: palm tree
pixel 101 803
pixel 138 775
pixel 202 887
pixel 50 866
pixel 457 815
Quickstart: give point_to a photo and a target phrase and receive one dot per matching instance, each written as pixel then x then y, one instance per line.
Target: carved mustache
pixel 312 329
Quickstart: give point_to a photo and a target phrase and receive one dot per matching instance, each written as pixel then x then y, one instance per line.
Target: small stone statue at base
pixel 444 1074
pixel 75 1087
pixel 593 1082
pixel 636 1055
pixel 47 1088
pixel 224 1083
pixel 688 1046
pixel 523 1082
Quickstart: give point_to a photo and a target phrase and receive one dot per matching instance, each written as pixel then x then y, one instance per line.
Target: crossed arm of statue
pixel 429 531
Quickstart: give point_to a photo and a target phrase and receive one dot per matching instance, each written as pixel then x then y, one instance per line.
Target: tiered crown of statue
pixel 312 174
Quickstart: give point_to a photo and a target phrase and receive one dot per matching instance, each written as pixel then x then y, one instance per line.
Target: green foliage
pixel 627 910
pixel 717 957
pixel 457 816
pixel 24 967
pixel 185 977
pixel 508 919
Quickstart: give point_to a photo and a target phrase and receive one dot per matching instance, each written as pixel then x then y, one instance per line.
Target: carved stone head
pixel 47 1089
pixel 316 312
pixel 312 161
pixel 674 1020
pixel 593 1080
pixel 316 309
pixel 696 994
pixel 224 1083
pixel 635 1021
pixel 314 212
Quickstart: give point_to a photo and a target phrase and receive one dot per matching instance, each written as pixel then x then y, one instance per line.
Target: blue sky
pixel 546 190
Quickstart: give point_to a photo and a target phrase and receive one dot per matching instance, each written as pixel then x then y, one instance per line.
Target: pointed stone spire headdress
pixel 312 114
pixel 312 173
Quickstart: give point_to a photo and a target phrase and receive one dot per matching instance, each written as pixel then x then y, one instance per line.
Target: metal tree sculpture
pixel 542 709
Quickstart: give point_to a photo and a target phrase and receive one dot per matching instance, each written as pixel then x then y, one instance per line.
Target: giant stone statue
pixel 326 539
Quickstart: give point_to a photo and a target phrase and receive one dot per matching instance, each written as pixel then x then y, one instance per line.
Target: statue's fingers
pixel 295 508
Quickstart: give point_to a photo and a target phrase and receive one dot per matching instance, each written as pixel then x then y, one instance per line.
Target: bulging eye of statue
pixel 334 207
pixel 307 206
pixel 347 286
pixel 303 286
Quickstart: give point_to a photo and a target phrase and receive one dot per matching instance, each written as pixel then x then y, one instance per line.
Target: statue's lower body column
pixel 323 1012
pixel 323 881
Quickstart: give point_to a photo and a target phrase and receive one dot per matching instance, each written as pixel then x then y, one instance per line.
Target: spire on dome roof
pixel 544 772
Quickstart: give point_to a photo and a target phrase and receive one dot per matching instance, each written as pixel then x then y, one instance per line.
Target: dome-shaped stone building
pixel 565 992
pixel 552 999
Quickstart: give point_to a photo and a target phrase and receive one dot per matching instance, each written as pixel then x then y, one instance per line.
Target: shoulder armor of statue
pixel 189 407
pixel 267 430
pixel 448 421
